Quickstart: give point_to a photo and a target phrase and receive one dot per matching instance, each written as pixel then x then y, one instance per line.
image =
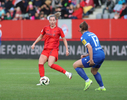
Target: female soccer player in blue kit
pixel 94 58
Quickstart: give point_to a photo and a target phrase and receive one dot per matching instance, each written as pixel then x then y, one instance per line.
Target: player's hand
pixel 32 47
pixel 67 53
pixel 82 56
pixel 91 63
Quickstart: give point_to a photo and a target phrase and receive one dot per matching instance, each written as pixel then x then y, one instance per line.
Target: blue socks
pixel 82 73
pixel 98 79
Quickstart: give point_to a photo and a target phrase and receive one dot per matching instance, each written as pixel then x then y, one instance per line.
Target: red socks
pixel 54 66
pixel 58 68
pixel 41 70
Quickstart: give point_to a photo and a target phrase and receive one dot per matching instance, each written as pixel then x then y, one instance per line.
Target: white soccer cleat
pixel 39 82
pixel 69 75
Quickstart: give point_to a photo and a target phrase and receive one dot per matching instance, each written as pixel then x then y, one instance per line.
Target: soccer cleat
pixel 87 84
pixel 69 75
pixel 99 89
pixel 38 84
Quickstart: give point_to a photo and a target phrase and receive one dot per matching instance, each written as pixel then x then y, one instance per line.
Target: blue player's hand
pixel 82 56
pixel 91 63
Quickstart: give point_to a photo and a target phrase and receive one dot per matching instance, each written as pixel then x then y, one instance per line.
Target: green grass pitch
pixel 18 79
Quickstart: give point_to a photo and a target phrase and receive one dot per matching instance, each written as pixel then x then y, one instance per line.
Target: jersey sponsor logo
pixel 84 42
pixel 50 34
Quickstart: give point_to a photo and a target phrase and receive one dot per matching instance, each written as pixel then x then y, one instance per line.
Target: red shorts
pixel 50 52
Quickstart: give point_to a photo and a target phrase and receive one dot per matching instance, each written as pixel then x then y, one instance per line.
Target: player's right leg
pixel 98 78
pixel 78 66
pixel 98 60
pixel 42 60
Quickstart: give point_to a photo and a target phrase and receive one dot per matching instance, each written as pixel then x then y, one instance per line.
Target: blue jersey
pixel 98 53
pixel 92 39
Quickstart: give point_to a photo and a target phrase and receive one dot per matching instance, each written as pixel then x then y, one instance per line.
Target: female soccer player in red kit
pixel 51 47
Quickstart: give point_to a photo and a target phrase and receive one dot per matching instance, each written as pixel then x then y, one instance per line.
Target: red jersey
pixel 52 37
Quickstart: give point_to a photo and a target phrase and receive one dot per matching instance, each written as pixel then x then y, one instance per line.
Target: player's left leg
pixel 78 66
pixel 98 78
pixel 54 57
pixel 51 64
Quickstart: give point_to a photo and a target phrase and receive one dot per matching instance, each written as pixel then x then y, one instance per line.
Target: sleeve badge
pixel 84 41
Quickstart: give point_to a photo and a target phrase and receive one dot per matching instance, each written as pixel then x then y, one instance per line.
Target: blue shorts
pixel 97 58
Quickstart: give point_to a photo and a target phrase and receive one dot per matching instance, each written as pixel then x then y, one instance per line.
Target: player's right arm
pixel 90 50
pixel 36 41
pixel 84 43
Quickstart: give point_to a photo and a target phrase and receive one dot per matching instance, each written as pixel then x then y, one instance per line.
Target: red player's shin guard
pixel 41 70
pixel 58 68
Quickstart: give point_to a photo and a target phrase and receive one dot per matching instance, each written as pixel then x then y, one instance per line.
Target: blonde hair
pixel 56 15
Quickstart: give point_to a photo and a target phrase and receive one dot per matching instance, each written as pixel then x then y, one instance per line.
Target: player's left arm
pixel 82 56
pixel 90 50
pixel 66 45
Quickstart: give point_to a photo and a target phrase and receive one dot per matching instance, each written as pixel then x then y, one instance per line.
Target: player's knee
pixel 40 62
pixel 74 65
pixel 50 64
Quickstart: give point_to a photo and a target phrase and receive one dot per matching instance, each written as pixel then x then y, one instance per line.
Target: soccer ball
pixel 44 80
